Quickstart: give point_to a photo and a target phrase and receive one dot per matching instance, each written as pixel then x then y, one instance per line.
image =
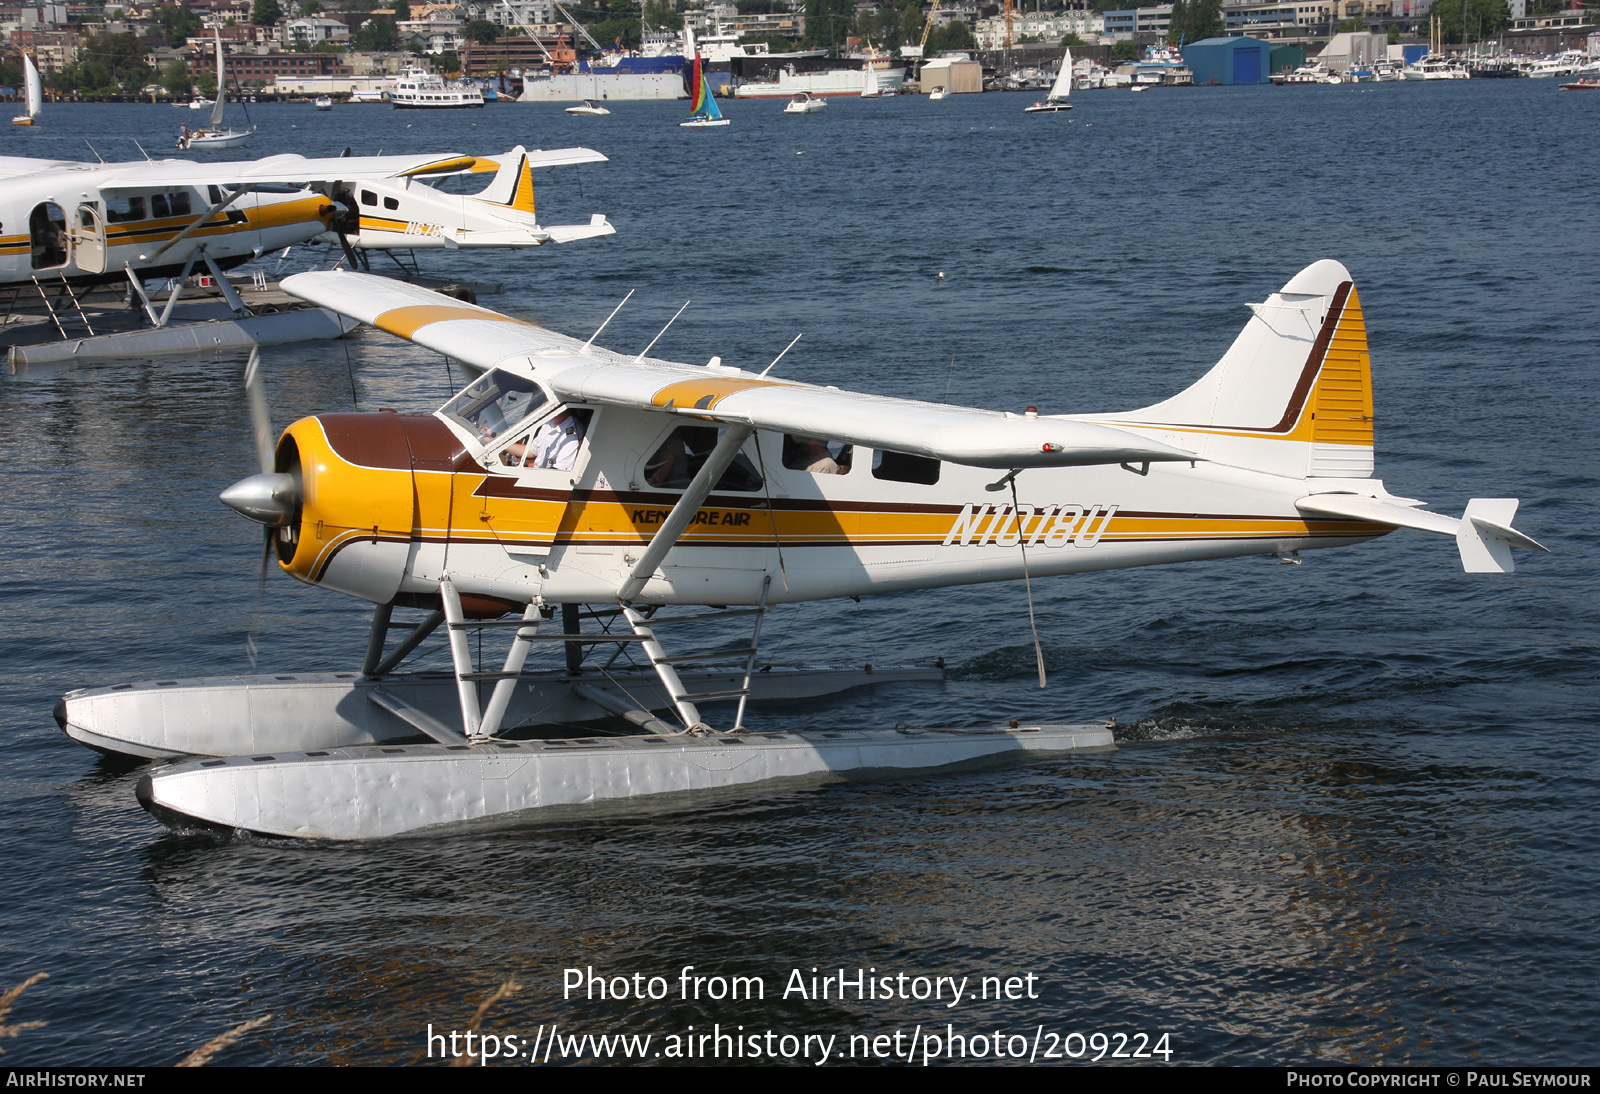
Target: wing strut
pixel 682 513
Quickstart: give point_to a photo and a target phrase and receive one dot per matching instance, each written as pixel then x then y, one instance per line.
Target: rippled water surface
pixel 1351 814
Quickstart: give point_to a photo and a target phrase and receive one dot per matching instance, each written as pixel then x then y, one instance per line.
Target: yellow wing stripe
pixel 408 320
pixel 705 394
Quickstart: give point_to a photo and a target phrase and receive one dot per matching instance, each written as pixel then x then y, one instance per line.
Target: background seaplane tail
pixel 511 192
pixel 1293 397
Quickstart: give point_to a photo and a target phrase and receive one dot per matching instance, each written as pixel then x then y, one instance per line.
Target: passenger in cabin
pixel 669 467
pixel 811 454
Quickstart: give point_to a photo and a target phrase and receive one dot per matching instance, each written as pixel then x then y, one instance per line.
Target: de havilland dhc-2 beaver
pixel 66 226
pixel 567 483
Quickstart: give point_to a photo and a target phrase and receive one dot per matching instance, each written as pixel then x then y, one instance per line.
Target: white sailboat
pixel 1056 101
pixel 33 92
pixel 215 135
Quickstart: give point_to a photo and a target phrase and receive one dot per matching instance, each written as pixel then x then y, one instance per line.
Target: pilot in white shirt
pixel 555 443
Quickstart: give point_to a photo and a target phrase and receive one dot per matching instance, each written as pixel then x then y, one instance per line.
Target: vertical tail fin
pixel 512 185
pixel 1293 394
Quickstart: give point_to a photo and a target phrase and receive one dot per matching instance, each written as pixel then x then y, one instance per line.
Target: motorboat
pixel 938 93
pixel 805 103
pixel 588 109
pixel 323 102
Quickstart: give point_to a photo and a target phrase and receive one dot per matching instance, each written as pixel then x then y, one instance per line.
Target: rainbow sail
pixel 705 110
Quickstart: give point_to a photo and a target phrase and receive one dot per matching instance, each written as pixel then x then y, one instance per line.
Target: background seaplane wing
pixel 290 169
pixel 485 339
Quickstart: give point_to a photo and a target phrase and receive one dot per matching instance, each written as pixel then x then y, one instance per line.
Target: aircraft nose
pixel 268 499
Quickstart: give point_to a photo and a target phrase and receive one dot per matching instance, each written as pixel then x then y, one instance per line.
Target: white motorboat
pixel 805 103
pixel 215 134
pixel 33 93
pixel 938 93
pixel 589 109
pixel 1056 101
pixel 419 90
pixel 323 102
pixel 1435 68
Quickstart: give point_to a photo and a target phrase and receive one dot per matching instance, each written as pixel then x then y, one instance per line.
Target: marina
pixel 1338 820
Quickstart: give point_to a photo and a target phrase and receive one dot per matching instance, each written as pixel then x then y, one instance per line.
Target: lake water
pixel 1351 815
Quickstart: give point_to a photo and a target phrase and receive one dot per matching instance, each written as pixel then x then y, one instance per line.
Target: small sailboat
pixel 214 135
pixel 1056 101
pixel 34 93
pixel 706 114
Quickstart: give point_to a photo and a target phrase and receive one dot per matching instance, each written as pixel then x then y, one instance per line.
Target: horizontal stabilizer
pixel 1483 535
pixel 1377 510
pixel 566 233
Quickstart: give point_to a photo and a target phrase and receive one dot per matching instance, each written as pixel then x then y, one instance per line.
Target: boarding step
pixel 698 617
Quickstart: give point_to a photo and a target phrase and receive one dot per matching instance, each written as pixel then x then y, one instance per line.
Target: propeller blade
pixel 250 646
pixel 260 421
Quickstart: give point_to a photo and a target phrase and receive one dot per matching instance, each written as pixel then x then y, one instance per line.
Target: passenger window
pixel 368 198
pixel 179 203
pixel 679 458
pixel 899 467
pixel 158 205
pixel 120 210
pixel 391 203
pixel 816 455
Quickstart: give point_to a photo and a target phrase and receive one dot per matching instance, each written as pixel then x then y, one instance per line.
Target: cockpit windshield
pixel 493 403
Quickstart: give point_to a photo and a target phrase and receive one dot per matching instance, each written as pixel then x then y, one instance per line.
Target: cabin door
pixel 89 240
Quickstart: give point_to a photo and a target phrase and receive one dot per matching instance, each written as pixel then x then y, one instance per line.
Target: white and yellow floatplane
pixel 578 499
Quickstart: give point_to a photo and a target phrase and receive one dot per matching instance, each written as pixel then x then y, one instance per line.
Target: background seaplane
pixel 65 224
pixel 566 476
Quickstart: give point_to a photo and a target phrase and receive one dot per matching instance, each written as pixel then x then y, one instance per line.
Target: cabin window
pixel 676 461
pixel 900 467
pixel 391 203
pixel 368 198
pixel 215 193
pixel 554 445
pixel 120 210
pixel 818 456
pixel 494 403
pixel 179 203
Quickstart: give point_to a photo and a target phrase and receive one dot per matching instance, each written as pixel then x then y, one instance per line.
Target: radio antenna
pixel 660 332
pixel 778 358
pixel 610 317
pixel 96 152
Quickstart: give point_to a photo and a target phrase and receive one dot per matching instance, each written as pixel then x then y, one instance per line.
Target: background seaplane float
pixel 76 228
pixel 577 499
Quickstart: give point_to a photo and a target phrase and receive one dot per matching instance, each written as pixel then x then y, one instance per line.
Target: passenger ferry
pixel 416 89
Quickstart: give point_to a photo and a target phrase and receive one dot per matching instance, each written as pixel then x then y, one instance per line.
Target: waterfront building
pixel 1229 60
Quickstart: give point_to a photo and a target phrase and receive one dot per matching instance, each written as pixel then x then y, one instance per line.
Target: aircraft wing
pixel 574 372
pixel 290 169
